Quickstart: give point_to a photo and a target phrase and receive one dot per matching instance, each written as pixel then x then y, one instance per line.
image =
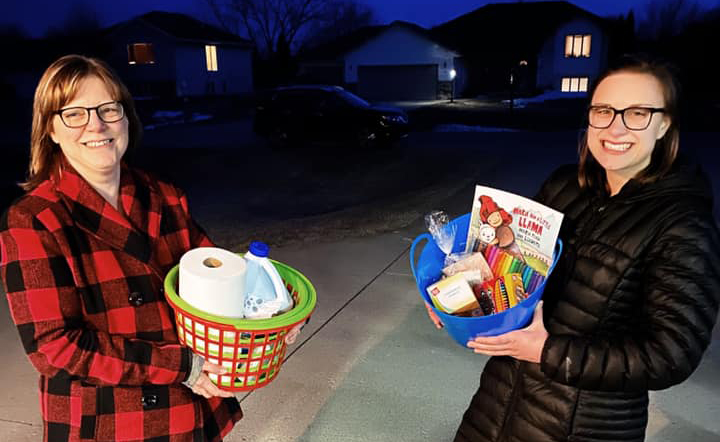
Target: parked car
pixel 316 114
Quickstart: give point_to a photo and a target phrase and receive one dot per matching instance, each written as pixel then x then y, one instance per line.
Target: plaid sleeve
pixel 47 310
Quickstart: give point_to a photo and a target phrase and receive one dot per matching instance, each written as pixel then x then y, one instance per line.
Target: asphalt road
pixel 240 189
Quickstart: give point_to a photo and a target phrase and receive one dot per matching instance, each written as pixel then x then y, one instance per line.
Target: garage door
pixel 392 83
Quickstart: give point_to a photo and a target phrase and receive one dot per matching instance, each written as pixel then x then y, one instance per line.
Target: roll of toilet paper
pixel 213 280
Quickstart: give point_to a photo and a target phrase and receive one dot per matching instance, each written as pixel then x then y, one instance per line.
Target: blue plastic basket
pixel 428 271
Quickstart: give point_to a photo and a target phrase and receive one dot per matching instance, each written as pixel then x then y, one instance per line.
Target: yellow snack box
pixel 453 295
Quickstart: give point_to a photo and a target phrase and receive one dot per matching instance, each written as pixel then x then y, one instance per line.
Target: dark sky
pixel 35 16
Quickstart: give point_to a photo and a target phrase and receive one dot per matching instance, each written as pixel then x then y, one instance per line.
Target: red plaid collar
pixel 140 206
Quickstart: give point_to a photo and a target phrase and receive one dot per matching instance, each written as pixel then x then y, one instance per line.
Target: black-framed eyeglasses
pixel 78 116
pixel 634 118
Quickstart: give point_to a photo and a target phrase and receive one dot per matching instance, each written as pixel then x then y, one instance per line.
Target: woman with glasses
pixel 84 254
pixel 634 298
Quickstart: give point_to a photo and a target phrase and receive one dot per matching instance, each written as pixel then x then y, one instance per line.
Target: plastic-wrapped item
pixel 455 257
pixel 442 230
pixel 470 262
pixel 487 306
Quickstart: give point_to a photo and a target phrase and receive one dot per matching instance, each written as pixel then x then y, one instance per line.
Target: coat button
pixel 149 401
pixel 136 299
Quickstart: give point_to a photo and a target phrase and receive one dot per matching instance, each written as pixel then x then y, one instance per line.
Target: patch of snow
pixel 167 114
pixel 167 118
pixel 547 96
pixel 200 117
pixel 465 128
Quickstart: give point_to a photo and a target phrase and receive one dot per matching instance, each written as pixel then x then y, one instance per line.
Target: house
pixel 527 47
pixel 163 54
pixel 399 61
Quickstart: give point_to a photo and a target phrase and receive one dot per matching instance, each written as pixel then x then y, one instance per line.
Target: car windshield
pixel 353 99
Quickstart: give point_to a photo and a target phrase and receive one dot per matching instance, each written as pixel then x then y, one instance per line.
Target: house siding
pixel 144 79
pixel 399 46
pixel 180 67
pixel 232 77
pixel 553 65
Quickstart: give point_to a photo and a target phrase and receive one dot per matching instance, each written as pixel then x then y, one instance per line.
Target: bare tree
pixel 277 24
pixel 82 19
pixel 269 23
pixel 341 17
pixel 668 18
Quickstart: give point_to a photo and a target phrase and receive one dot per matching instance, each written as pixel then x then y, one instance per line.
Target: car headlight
pixel 397 119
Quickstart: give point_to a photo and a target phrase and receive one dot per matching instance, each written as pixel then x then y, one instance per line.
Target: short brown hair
pixel 590 172
pixel 58 85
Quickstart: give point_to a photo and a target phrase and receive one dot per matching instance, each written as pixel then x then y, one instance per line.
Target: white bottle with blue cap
pixel 265 293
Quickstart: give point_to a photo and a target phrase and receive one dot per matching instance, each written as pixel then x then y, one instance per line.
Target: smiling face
pixel 487 233
pixel 95 149
pixel 620 151
pixel 495 219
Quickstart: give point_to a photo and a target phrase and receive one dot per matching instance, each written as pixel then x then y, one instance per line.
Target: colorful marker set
pixel 502 263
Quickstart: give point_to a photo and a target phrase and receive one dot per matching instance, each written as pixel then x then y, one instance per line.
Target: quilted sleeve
pixel 47 310
pixel 682 289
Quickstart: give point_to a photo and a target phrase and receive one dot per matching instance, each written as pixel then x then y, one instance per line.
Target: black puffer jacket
pixel 630 308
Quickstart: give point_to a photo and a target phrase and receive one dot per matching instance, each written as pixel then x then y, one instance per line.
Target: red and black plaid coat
pixel 84 285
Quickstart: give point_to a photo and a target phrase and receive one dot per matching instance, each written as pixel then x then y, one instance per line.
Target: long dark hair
pixel 590 173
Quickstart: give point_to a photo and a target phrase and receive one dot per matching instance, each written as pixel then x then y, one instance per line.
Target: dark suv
pixel 326 115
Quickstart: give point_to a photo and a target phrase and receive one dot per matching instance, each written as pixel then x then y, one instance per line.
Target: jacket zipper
pixel 513 398
pixel 590 224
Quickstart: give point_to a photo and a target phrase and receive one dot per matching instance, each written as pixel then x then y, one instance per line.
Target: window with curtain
pixel 211 58
pixel 577 45
pixel 574 84
pixel 140 53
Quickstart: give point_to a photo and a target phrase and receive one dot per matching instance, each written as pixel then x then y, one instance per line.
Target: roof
pixel 499 27
pixel 340 46
pixel 184 27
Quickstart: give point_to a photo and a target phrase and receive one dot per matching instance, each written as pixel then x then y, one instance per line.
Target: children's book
pixel 524 228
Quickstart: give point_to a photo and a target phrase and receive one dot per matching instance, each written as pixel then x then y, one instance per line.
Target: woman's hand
pixel 433 317
pixel 525 344
pixel 293 333
pixel 205 387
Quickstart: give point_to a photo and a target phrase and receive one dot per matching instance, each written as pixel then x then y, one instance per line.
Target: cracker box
pixel 453 295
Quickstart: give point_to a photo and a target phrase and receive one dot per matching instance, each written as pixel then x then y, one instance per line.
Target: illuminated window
pixel 583 84
pixel 586 45
pixel 574 84
pixel 577 45
pixel 211 57
pixel 140 53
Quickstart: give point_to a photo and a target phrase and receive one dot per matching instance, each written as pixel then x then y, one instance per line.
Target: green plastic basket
pixel 251 350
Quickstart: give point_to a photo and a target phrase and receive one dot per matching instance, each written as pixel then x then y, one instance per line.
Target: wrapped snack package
pixel 474 262
pixel 455 257
pixel 442 230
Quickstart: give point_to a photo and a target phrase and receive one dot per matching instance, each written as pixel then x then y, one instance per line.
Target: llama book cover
pixel 523 227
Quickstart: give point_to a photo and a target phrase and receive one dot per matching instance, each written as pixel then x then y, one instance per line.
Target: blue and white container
pixel 265 292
